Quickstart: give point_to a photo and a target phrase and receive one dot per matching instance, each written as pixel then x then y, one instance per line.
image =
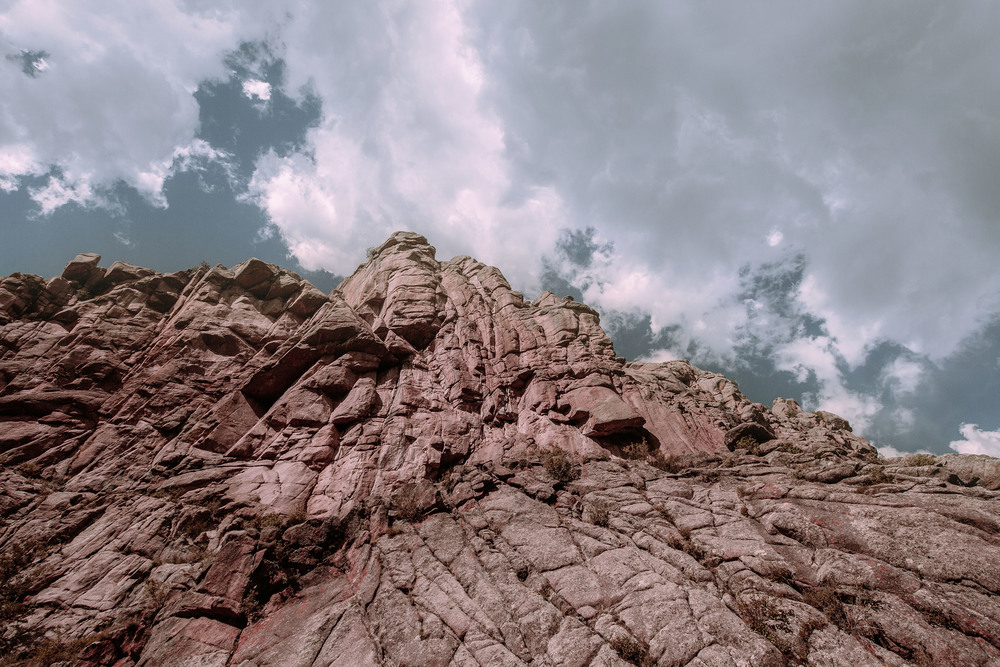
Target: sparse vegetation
pixel 766 618
pixel 51 651
pixel 874 477
pixel 155 593
pixel 939 618
pixel 917 460
pixel 638 450
pixel 558 464
pixel 599 511
pixel 748 443
pixel 831 602
pixel 871 456
pixel 631 650
pixel 281 565
pixel 407 505
pixel 18 580
pixel 674 463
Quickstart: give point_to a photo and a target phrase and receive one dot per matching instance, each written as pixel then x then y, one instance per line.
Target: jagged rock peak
pixel 228 467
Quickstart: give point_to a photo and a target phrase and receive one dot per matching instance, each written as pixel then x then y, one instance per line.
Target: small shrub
pixel 268 521
pixel 766 618
pixel 294 518
pixel 637 450
pixel 630 650
pixel 825 599
pixel 558 464
pixel 917 460
pixel 694 550
pixel 780 574
pixel 213 506
pixel 155 593
pixel 599 512
pixel 748 443
pixel 195 554
pixel 15 582
pixel 876 476
pixel 203 265
pixel 57 650
pixel 198 525
pixel 407 505
pixel 673 463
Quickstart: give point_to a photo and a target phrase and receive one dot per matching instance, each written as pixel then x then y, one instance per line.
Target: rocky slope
pixel 228 467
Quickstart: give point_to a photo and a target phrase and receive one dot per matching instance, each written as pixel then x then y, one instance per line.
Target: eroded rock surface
pixel 228 467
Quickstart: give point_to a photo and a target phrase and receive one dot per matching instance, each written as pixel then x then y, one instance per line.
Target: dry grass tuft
pixel 599 511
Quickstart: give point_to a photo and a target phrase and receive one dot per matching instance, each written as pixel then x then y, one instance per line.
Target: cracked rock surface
pixel 229 467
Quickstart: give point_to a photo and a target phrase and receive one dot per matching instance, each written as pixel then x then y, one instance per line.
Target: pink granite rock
pixel 229 467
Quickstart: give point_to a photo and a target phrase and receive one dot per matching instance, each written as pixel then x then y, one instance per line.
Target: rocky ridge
pixel 229 467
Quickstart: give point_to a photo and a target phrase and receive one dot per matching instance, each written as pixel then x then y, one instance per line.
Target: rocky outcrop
pixel 226 466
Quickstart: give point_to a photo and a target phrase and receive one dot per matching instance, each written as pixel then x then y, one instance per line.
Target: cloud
pixel 689 135
pixel 977 441
pixel 100 93
pixel 257 89
pixel 904 374
pixel 890 452
pixel 406 142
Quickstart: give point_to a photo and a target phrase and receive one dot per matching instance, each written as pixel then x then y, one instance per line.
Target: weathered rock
pixel 81 267
pixel 758 433
pixel 229 467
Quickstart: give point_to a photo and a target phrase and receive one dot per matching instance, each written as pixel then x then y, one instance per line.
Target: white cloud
pixel 904 375
pixel 658 357
pixel 257 89
pixel 60 191
pixel 114 98
pixel 818 356
pixel 17 160
pixel 890 452
pixel 976 441
pixel 407 142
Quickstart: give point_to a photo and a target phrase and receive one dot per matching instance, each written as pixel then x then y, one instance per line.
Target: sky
pixel 803 196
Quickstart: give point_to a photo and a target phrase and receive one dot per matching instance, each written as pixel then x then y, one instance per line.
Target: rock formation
pixel 229 467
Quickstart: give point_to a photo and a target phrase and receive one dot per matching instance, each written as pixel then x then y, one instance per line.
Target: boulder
pixel 81 267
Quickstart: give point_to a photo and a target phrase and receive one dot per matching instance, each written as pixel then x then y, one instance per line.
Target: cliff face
pixel 229 467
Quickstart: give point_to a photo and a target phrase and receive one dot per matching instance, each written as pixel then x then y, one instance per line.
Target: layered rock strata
pixel 229 467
